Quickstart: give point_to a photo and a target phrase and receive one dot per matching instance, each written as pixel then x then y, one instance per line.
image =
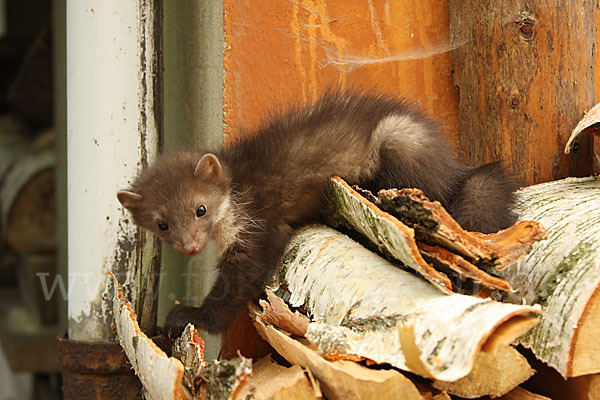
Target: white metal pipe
pixel 112 131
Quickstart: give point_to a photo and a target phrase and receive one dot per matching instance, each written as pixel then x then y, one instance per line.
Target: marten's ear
pixel 208 167
pixel 129 200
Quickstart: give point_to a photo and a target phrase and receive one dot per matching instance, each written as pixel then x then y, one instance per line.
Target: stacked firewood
pixel 435 316
pixel 363 325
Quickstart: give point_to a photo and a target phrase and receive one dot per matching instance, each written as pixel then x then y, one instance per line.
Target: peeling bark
pixel 189 349
pixel 490 251
pixel 462 267
pixel 160 375
pixel 271 381
pixel 406 226
pixel 224 379
pixel 590 121
pixel 391 236
pixel 163 377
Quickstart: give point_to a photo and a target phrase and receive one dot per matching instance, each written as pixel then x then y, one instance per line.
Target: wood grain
pixel 279 53
pixel 525 76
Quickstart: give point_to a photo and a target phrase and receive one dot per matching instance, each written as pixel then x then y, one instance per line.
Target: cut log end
pixel 508 331
pixel 585 347
pixel 493 374
pixel 340 379
pixel 271 381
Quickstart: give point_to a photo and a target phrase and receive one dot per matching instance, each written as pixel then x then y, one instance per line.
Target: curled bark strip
pixel 591 119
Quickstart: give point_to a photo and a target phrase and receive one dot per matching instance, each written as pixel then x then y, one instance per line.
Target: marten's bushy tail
pixel 485 200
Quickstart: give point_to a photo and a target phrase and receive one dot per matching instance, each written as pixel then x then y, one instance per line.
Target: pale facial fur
pixel 160 200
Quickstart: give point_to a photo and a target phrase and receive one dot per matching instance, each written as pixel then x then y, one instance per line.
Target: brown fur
pixel 259 189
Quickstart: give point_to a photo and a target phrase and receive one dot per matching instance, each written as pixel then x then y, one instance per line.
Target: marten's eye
pixel 200 211
pixel 162 225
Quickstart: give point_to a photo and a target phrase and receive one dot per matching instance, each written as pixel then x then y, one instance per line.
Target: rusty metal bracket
pixel 96 371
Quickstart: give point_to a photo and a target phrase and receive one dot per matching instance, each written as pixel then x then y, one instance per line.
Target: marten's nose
pixel 191 249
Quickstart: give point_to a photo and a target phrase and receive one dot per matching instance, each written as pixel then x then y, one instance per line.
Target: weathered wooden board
pixel 563 274
pixel 521 89
pixel 359 301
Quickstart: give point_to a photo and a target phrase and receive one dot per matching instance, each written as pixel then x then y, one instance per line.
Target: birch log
pixel 360 301
pixel 495 372
pixel 563 274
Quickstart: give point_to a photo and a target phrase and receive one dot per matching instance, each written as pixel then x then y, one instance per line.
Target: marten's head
pixel 181 198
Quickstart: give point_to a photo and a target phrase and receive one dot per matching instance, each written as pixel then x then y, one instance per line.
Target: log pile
pixel 367 324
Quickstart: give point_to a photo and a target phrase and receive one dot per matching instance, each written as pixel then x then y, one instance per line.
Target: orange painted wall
pixel 282 52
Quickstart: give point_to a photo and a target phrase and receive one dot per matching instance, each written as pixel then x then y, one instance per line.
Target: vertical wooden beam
pixel 525 77
pixel 114 128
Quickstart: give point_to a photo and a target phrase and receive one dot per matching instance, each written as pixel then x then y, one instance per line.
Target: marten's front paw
pixel 178 318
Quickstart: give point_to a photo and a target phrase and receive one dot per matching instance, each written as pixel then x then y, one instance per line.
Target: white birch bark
pixel 562 273
pixel 161 376
pixel 389 234
pixel 341 379
pixel 359 301
pixel 396 239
